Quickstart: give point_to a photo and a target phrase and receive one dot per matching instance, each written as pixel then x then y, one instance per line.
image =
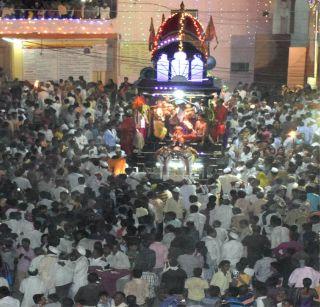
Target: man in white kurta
pixel 197 218
pixel 223 214
pixel 47 269
pixel 232 250
pixel 29 287
pixel 117 259
pixel 80 272
pixel 213 245
pixel 227 180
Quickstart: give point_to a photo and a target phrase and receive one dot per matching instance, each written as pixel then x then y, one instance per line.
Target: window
pixel 235 67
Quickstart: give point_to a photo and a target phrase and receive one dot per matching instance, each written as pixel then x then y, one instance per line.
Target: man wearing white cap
pixel 30 286
pixel 187 189
pixel 175 204
pixel 47 267
pixel 227 180
pixel 80 270
pixel 232 250
pixel 224 213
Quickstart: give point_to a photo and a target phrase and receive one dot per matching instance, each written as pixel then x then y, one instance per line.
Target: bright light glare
pixel 10 40
pixel 17 42
pixel 293 134
pixel 176 164
pixel 178 94
pixel 197 166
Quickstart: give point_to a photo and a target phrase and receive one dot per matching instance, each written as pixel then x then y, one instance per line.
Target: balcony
pixel 82 20
pixel 56 28
pixel 81 9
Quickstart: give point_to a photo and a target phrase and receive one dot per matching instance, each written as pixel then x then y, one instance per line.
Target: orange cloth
pixel 117 166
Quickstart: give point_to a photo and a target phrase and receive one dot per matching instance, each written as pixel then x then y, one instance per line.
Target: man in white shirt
pixel 134 178
pixel 175 204
pixel 47 268
pixel 297 276
pixel 279 234
pixel 73 176
pixel 246 155
pixel 21 182
pixel 80 139
pixel 223 214
pixel 232 250
pixel 29 287
pixel 186 190
pixel 97 258
pixel 227 180
pixel 58 189
pixel 117 259
pixel 197 218
pixel 213 245
pixel 47 133
pixel 81 186
pixel 80 272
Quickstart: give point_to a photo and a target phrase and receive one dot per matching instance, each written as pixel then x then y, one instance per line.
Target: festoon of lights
pixel 53 25
pixel 181 32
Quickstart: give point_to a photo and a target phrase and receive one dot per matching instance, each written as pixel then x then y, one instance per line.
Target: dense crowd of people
pixel 70 9
pixel 81 226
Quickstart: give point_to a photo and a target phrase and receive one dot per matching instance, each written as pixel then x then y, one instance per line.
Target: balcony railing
pixel 80 12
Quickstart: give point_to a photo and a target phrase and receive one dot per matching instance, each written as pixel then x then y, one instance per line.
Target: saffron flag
pixel 211 33
pixel 152 35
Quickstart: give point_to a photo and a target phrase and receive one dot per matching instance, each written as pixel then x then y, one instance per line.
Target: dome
pixel 180 27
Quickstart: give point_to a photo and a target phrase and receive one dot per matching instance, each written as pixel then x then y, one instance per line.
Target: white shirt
pixel 34 265
pixel 118 261
pixel 245 157
pixel 226 181
pixel 297 276
pixel 186 191
pixel 213 246
pixel 80 275
pixel 222 234
pixel 9 301
pixel 22 183
pixel 97 262
pixel 48 134
pixel 73 180
pixel 81 141
pixel 199 220
pixel 29 287
pixel 34 237
pixel 63 273
pixel 279 235
pixel 232 251
pixel 57 191
pixel 47 269
pixel 262 268
pixel 224 215
pixel 134 179
pixel 79 188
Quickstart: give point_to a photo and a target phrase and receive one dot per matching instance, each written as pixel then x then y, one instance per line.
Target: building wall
pixel 271 58
pixel 102 58
pixel 232 18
